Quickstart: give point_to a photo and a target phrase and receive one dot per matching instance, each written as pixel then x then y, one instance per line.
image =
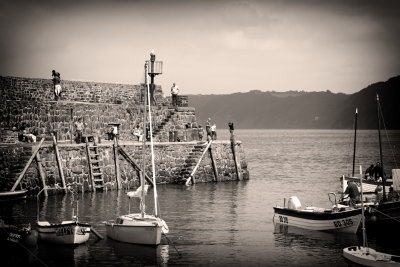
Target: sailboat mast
pixel 142 175
pixel 355 138
pixel 362 211
pixel 380 147
pixel 152 148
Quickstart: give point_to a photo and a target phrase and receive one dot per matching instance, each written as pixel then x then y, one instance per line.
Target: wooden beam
pixel 133 163
pixel 116 162
pixel 41 173
pixel 238 167
pixel 89 161
pixel 214 164
pixel 191 177
pixel 27 166
pixel 59 164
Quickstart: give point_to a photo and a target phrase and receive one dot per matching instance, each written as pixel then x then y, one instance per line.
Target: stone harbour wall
pixel 174 162
pixel 29 103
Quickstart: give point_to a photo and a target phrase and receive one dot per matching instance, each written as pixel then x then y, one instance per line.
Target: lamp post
pixel 155 69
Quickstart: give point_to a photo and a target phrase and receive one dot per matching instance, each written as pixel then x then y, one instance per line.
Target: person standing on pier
pixel 79 129
pixel 57 85
pixel 214 132
pixel 174 94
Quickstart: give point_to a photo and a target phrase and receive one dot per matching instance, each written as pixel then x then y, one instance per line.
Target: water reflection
pixel 140 255
pixel 63 256
pixel 309 247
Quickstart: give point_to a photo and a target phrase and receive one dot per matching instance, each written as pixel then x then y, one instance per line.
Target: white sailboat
pixel 364 255
pixel 140 228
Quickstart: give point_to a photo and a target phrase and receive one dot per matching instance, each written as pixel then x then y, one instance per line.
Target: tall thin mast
pixel 362 211
pixel 380 147
pixel 151 142
pixel 355 139
pixel 142 175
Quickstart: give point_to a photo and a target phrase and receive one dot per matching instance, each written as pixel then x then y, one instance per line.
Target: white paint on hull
pixel 67 233
pixel 345 225
pixel 135 230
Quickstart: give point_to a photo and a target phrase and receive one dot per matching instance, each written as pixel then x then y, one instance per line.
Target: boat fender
pixel 164 229
pixel 294 203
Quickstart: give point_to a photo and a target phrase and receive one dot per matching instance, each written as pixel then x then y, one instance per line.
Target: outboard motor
pixel 294 203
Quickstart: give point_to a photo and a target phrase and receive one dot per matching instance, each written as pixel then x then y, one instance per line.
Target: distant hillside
pixel 302 110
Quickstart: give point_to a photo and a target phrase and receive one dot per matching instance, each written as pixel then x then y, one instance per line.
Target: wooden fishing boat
pixel 13 195
pixel 378 212
pixel 14 233
pixel 346 220
pixel 365 256
pixel 369 186
pixel 140 228
pixel 68 232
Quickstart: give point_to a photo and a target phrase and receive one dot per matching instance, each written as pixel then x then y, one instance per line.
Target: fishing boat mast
pixel 380 146
pixel 362 212
pixel 355 138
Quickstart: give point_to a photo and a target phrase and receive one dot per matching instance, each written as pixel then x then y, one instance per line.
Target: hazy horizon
pixel 208 47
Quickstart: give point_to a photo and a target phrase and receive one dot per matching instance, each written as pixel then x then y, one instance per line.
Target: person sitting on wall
pixel 28 137
pixel 138 133
pixel 201 133
pixel 56 83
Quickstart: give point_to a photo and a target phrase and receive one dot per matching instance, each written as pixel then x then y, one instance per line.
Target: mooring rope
pixel 30 252
pixel 170 242
pixel 390 217
pixel 387 137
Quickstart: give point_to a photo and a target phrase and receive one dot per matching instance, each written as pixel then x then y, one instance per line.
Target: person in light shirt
pixel 174 94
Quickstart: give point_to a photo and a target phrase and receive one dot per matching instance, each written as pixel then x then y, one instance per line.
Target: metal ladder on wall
pixel 95 174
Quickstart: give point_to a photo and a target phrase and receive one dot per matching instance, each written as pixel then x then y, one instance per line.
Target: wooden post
pixel 116 162
pixel 41 172
pixel 71 125
pixel 58 158
pixel 27 166
pixel 235 156
pixel 89 161
pixel 133 163
pixel 214 164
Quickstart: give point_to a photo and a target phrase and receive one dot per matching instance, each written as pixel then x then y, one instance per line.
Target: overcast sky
pixel 208 47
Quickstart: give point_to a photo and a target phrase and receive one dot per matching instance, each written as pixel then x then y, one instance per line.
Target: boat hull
pixel 13 195
pixel 67 232
pixel 370 257
pixel 132 229
pixel 343 221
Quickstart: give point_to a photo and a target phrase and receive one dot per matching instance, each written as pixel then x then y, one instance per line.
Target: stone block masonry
pixel 29 104
pixel 173 164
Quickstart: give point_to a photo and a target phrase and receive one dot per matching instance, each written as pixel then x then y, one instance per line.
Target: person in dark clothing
pixel 353 193
pixel 378 171
pixel 56 81
pixel 369 172
pixel 393 195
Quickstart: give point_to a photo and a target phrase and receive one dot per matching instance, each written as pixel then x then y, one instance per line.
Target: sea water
pixel 227 223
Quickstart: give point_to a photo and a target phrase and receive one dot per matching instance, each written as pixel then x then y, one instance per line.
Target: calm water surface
pixel 228 223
